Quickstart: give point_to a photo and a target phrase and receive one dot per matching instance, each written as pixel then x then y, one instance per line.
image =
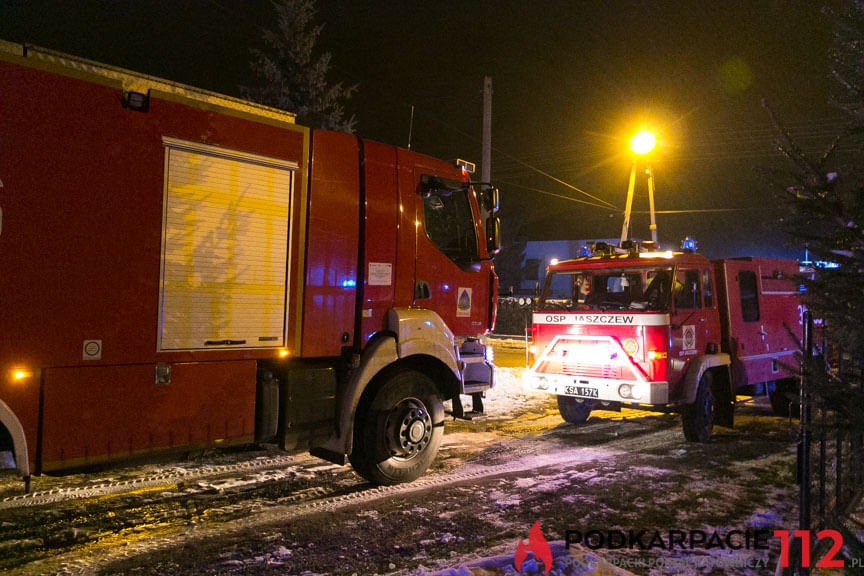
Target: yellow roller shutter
pixel 226 230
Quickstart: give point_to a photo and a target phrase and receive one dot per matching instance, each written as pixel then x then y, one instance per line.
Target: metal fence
pixel 830 461
pixel 514 316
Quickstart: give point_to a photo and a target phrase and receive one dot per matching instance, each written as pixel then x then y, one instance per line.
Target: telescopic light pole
pixel 641 144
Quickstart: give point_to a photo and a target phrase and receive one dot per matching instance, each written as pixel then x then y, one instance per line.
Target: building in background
pixel 536 257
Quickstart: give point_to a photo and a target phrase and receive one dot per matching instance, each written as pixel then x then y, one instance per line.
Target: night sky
pixel 572 81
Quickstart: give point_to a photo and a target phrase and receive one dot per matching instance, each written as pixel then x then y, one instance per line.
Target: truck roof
pixel 131 81
pixel 631 259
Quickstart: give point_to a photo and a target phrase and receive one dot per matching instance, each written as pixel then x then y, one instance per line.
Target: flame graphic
pixel 537 545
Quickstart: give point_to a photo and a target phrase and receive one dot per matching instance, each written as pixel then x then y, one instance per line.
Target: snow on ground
pixel 508 396
pixel 506 400
pixel 574 562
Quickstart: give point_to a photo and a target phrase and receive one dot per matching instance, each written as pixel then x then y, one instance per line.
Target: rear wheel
pixel 784 398
pixel 698 418
pixel 574 410
pixel 397 434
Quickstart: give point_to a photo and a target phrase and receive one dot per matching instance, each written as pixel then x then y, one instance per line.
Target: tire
pixel 783 398
pixel 398 432
pixel 698 418
pixel 574 410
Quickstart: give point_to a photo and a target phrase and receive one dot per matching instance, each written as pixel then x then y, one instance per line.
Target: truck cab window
pixel 686 290
pixel 448 220
pixel 634 288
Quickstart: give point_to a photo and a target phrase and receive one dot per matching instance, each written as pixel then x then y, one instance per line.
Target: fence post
pixel 804 437
pixel 823 441
pixel 839 496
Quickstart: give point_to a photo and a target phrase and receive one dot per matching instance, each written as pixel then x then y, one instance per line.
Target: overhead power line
pixel 605 206
pixel 618 210
pixel 693 211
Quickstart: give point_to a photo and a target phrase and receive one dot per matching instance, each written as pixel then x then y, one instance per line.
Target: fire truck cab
pixel 656 330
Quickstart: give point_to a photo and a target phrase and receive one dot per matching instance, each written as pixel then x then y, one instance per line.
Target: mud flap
pixel 266 407
pixel 477 409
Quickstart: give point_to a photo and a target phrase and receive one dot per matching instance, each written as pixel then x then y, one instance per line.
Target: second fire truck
pixel 669 331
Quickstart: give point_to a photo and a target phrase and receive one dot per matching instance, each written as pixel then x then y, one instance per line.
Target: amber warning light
pixel 21 374
pixel 467 167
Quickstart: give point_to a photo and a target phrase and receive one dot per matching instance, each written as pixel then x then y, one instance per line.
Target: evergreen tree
pixel 508 265
pixel 293 75
pixel 824 209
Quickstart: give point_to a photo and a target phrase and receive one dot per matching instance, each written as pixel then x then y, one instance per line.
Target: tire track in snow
pixel 150 481
pixel 523 455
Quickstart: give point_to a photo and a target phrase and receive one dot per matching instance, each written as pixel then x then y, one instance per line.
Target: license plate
pixel 583 391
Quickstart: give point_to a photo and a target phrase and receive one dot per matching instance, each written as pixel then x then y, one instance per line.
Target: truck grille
pixel 591 370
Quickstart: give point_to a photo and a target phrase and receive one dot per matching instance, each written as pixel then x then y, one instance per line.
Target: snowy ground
pixel 508 398
pixel 253 513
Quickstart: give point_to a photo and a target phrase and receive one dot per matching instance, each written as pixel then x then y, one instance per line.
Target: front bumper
pixel 602 389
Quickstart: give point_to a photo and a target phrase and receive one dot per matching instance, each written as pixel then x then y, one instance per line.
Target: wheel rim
pixel 408 429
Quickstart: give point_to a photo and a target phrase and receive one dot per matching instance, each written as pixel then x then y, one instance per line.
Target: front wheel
pixel 698 418
pixel 397 434
pixel 574 410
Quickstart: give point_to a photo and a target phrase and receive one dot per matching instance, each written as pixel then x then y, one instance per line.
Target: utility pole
pixel 486 169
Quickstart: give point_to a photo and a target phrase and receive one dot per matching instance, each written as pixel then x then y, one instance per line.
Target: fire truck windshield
pixel 631 288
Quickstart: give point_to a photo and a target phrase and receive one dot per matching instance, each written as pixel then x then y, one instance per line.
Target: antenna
pixel 486 164
pixel 411 127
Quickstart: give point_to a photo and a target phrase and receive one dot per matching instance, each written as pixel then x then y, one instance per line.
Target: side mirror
pixel 489 198
pixel 493 235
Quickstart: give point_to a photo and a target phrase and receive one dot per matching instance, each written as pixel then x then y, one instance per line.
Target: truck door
pixel 691 322
pixel 449 277
pixel 746 325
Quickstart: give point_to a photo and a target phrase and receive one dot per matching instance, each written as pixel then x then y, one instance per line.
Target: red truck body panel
pixel 331 251
pixel 82 238
pixel 116 411
pixel 761 313
pixel 381 211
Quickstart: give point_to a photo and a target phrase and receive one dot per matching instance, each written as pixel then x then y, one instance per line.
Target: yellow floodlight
pixel 643 142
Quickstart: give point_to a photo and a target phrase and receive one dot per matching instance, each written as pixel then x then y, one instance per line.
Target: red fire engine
pixel 666 331
pixel 181 269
